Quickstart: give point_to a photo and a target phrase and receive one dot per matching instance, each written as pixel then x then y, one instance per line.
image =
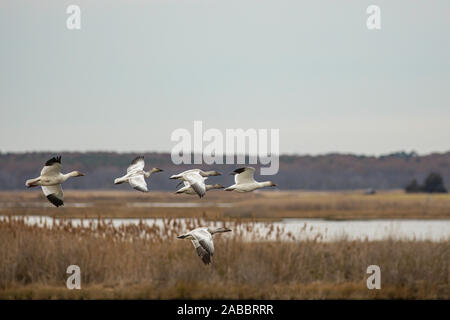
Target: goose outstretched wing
pixel 137 164
pixel 197 182
pixel 138 182
pixel 52 167
pixel 54 194
pixel 244 175
pixel 204 245
pixel 202 252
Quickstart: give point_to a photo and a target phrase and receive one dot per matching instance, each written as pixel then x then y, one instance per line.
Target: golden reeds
pixel 147 261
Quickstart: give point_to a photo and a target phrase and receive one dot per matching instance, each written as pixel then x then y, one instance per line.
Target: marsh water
pixel 298 229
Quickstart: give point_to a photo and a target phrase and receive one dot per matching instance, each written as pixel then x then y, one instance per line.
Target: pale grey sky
pixel 137 70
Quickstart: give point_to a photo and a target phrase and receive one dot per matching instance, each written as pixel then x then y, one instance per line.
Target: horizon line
pixel 410 153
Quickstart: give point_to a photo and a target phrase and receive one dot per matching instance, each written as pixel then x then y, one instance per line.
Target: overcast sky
pixel 137 70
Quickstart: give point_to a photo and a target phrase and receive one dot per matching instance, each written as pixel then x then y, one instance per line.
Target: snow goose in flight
pixel 202 240
pixel 196 179
pixel 244 181
pixel 136 175
pixel 187 189
pixel 50 180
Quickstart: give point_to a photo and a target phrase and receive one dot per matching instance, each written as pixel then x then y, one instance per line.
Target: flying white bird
pixel 187 189
pixel 50 180
pixel 245 182
pixel 196 179
pixel 136 175
pixel 202 240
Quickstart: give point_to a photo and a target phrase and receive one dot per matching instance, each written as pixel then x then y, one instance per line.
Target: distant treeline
pixel 323 172
pixel 434 183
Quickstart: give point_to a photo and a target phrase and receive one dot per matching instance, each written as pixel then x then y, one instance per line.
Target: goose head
pixel 76 174
pixel 210 173
pixel 214 186
pixel 219 230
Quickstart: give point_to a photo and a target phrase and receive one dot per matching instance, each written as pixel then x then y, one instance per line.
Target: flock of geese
pixel 193 182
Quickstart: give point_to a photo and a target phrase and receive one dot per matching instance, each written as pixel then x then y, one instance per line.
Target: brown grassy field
pixel 257 205
pixel 148 262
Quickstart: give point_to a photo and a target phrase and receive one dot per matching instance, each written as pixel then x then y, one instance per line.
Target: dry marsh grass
pixel 148 262
pixel 257 205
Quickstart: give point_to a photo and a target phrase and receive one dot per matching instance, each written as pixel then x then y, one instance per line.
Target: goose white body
pixel 245 182
pixel 50 180
pixel 202 241
pixel 187 188
pixel 136 175
pixel 194 179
